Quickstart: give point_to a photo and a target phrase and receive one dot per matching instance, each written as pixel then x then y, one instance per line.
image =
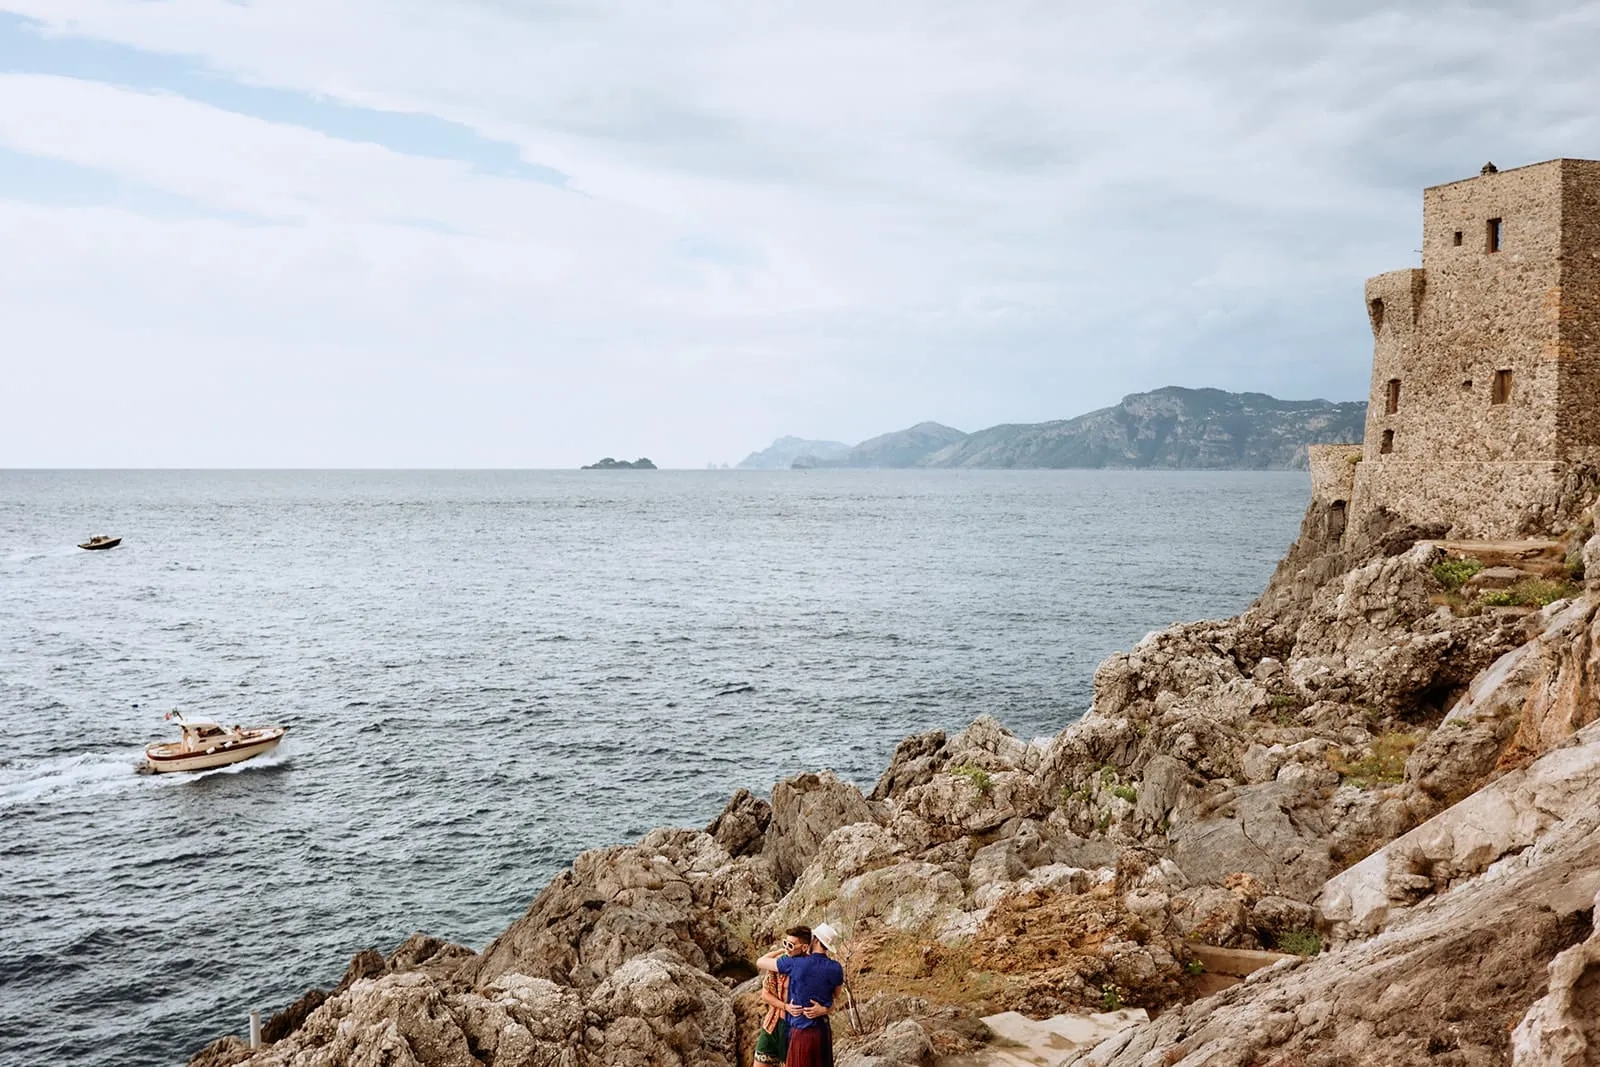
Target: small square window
pixel 1493 235
pixel 1457 241
pixel 1387 445
pixel 1502 387
pixel 1391 397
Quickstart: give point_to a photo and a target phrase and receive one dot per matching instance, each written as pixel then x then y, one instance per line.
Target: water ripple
pixel 489 672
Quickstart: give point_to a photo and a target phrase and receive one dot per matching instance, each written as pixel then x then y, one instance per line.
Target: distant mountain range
pixel 1172 428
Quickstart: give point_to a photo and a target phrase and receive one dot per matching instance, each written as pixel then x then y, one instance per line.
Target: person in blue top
pixel 814 982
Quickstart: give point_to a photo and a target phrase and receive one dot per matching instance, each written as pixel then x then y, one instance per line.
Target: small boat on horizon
pixel 101 541
pixel 206 744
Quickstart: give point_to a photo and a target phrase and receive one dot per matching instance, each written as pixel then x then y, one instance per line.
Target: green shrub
pixel 1453 573
pixel 1530 592
pixel 1300 942
pixel 1195 968
pixel 979 777
pixel 1111 997
pixel 1126 792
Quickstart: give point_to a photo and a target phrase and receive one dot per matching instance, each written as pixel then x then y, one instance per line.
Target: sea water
pixel 488 672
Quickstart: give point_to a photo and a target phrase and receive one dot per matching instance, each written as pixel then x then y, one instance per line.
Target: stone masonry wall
pixel 1578 400
pixel 1521 297
pixel 1333 471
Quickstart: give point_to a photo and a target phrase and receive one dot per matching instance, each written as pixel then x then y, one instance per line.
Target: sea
pixel 488 672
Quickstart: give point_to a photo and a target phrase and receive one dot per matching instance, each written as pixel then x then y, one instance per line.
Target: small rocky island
pixel 1354 826
pixel 609 464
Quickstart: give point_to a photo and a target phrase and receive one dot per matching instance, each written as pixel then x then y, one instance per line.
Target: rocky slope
pixel 1363 760
pixel 781 454
pixel 1194 429
pixel 1199 429
pixel 902 448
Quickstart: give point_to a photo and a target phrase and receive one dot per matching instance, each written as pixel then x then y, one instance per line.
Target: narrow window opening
pixel 1388 443
pixel 1466 386
pixel 1391 397
pixel 1336 520
pixel 1375 313
pixel 1502 387
pixel 1457 241
pixel 1493 236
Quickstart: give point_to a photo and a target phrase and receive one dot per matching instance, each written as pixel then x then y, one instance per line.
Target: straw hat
pixel 826 935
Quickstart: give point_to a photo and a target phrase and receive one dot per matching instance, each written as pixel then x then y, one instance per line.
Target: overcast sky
pixel 509 233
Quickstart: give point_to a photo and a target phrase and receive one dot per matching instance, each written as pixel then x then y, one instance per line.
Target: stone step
pixel 1024 1042
pixel 1534 556
pixel 1236 962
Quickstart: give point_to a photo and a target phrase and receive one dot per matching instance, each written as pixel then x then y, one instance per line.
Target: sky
pixel 528 234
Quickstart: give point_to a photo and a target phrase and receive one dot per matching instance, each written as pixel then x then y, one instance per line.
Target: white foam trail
pixel 96 772
pixel 61 777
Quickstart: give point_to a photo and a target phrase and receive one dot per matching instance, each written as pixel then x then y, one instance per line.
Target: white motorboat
pixel 206 744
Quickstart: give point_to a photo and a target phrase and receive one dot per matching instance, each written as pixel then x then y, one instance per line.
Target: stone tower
pixel 1486 359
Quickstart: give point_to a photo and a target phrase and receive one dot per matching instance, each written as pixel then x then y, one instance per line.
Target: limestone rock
pixel 954 803
pixel 670 891
pixel 1510 814
pixel 1445 984
pixel 1276 831
pixel 225 1051
pixel 916 760
pixel 400 1020
pixel 1562 1029
pixel 806 809
pixel 902 1044
pixel 654 1011
pixel 742 825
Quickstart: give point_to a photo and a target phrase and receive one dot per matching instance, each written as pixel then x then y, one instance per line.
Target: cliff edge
pixel 1381 773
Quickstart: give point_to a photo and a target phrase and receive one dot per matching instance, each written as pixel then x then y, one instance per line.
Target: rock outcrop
pixel 1365 758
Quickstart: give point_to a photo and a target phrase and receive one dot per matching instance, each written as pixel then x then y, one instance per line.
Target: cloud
pixel 698 228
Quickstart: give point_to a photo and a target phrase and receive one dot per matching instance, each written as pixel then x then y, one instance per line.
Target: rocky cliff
pixel 782 453
pixel 1199 429
pixel 1175 428
pixel 1384 770
pixel 902 448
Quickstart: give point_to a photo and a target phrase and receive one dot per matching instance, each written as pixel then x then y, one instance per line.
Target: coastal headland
pixel 1382 773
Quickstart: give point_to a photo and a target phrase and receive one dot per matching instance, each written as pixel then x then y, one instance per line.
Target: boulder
pixel 805 810
pixel 902 1044
pixel 1447 983
pixel 1562 1028
pixel 655 1011
pixel 1276 831
pixel 673 891
pixel 741 827
pixel 916 760
pixel 1507 816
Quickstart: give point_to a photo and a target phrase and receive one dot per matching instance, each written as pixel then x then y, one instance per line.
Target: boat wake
pixel 33 781
pixel 59 778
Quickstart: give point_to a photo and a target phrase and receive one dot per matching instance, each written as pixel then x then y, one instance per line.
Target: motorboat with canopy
pixel 206 743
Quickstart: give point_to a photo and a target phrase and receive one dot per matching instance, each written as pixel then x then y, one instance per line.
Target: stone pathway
pixel 1024 1042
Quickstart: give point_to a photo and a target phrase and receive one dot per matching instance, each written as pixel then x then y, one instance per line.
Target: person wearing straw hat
pixel 825 941
pixel 814 983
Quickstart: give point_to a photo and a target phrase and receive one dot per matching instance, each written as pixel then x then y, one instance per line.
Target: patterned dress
pixel 772 1040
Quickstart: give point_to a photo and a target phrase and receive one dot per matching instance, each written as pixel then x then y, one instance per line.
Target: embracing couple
pixel 802 980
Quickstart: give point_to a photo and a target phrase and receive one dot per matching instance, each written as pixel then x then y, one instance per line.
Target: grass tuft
pixel 1384 763
pixel 1300 942
pixel 980 778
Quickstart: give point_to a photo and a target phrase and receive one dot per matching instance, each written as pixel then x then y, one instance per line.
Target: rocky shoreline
pixel 1390 784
